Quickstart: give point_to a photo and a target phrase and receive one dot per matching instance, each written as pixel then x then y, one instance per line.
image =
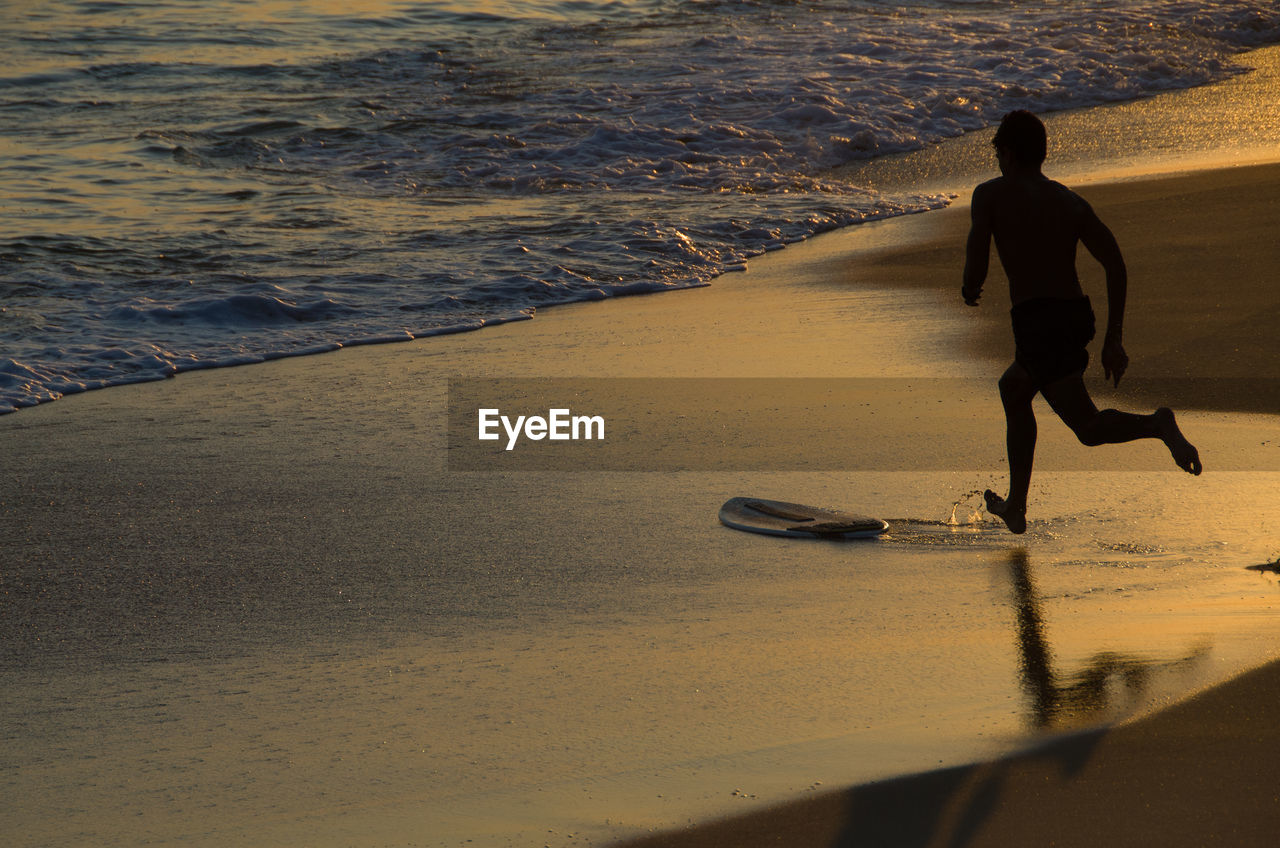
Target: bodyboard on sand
pixel 780 518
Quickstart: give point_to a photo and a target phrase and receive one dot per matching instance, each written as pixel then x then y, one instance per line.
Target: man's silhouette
pixel 1037 223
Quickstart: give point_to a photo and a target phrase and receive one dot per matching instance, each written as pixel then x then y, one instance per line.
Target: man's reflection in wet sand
pixel 1105 687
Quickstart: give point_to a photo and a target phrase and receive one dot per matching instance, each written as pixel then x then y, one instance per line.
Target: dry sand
pixel 210 581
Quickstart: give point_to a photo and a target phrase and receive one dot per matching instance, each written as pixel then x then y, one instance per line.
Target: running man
pixel 1037 223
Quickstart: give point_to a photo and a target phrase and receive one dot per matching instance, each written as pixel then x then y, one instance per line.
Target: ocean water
pixel 199 183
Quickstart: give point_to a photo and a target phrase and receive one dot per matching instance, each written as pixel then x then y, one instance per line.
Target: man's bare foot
pixel 1184 453
pixel 1014 518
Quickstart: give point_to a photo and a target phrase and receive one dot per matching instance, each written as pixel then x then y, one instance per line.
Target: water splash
pixel 975 514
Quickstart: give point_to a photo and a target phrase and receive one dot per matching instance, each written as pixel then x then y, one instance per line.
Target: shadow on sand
pixel 949 807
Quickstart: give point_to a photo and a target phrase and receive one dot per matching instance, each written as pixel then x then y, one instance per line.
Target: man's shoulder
pixel 990 186
pixel 988 193
pixel 1072 201
pixel 1001 189
pixel 1064 190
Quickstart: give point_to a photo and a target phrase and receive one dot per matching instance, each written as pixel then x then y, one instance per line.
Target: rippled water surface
pixel 191 184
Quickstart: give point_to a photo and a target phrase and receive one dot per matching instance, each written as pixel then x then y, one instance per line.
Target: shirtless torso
pixel 1037 223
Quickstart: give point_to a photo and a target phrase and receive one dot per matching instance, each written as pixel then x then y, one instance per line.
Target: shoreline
pixel 1100 145
pixel 1166 134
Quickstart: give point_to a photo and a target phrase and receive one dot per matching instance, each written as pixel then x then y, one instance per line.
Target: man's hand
pixel 1114 360
pixel 970 295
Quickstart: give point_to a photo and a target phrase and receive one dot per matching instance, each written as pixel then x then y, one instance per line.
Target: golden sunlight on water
pixel 1233 122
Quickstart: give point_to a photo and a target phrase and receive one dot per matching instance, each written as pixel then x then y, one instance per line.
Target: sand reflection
pixel 1110 685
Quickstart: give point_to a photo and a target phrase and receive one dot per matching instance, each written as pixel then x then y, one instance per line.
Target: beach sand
pixel 1199 773
pixel 264 605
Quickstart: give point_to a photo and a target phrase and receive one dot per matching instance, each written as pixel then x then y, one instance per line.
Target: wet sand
pixel 1198 773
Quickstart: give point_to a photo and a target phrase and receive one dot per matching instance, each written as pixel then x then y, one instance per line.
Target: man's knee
pixel 1088 432
pixel 1096 429
pixel 1015 389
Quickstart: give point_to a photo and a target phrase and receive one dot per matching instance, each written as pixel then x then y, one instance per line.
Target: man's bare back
pixel 1036 223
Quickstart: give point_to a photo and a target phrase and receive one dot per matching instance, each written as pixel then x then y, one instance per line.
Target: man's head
pixel 1023 136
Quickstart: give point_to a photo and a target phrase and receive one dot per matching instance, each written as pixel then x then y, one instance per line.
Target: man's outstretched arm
pixel 1101 243
pixel 977 249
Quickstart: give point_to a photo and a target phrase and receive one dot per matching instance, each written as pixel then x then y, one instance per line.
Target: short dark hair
pixel 1023 135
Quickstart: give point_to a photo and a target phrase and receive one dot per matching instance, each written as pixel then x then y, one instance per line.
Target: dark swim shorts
pixel 1052 337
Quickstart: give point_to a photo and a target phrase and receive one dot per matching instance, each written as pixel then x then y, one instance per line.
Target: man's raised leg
pixel 1070 400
